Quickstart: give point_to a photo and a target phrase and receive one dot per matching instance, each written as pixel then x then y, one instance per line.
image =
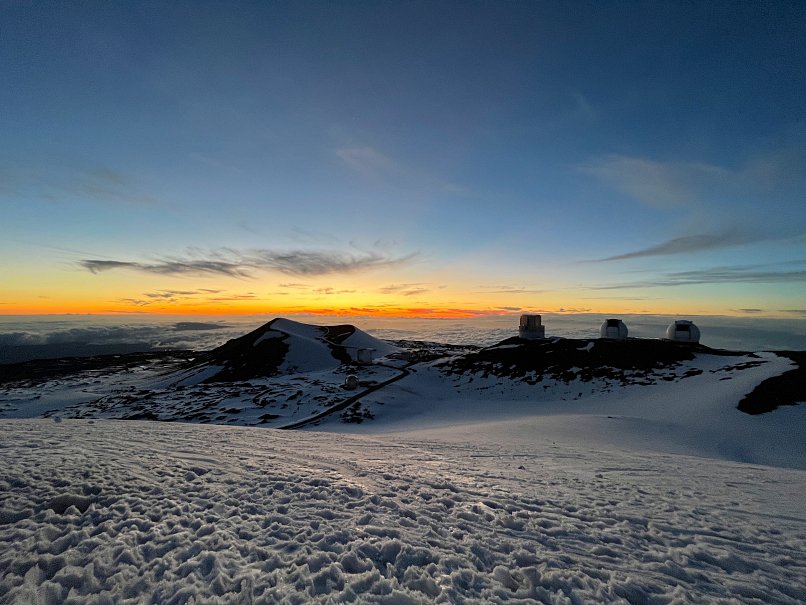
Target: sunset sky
pixel 403 158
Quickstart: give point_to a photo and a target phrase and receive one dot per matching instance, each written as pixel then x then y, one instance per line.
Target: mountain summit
pixel 283 346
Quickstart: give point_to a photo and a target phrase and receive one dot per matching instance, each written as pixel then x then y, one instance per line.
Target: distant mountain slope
pixel 656 394
pixel 283 346
pixel 627 361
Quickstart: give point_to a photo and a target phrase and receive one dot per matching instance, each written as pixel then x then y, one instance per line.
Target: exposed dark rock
pixel 261 352
pixel 566 359
pixel 788 388
pixel 50 369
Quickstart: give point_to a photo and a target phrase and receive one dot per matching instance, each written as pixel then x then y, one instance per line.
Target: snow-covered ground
pixel 148 512
pixel 686 407
pixel 680 411
pixel 564 472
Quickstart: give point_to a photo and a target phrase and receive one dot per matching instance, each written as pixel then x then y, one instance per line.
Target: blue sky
pixel 586 152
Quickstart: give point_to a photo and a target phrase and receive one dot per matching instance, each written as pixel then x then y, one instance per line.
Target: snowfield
pixel 558 471
pixel 149 512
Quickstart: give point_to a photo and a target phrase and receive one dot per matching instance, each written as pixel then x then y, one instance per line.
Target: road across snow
pixel 139 512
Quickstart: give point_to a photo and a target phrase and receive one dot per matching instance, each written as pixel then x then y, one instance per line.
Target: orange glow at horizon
pixel 457 298
pixel 385 310
pixel 253 308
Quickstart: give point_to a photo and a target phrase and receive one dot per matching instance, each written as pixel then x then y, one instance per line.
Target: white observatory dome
pixel 613 329
pixel 682 330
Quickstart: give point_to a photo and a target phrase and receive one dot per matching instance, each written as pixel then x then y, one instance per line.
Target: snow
pixel 147 512
pixel 198 375
pixel 504 347
pixel 309 349
pixel 268 335
pixel 486 485
pixel 362 340
pixel 307 354
pixel 695 415
pixel 688 408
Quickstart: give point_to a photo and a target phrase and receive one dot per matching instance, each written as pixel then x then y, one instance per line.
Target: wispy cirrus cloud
pixel 658 184
pixel 244 264
pixel 169 267
pixel 168 294
pixel 137 302
pixel 688 244
pixel 34 181
pixel 507 290
pixel 368 161
pixel 583 105
pixel 328 291
pixel 373 165
pixel 323 263
pixel 162 297
pixel 410 289
pixel 295 286
pixel 247 296
pixel 211 161
pixel 756 202
pixel 738 274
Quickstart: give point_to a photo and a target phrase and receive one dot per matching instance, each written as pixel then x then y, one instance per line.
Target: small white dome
pixel 683 330
pixel 613 328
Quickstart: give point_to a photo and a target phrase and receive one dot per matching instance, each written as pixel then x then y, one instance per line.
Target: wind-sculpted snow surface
pixel 136 512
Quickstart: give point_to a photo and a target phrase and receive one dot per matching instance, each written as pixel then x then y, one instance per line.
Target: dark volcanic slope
pixel 39 370
pixel 787 389
pixel 262 351
pixel 584 359
pixel 243 359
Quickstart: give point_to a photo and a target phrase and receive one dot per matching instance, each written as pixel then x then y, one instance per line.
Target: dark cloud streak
pixel 232 263
pixel 715 275
pixel 686 245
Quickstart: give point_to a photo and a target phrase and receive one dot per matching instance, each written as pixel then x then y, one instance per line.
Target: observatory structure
pixel 613 329
pixel 531 327
pixel 364 355
pixel 683 330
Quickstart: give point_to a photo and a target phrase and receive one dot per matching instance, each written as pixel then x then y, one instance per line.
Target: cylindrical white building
pixel 614 329
pixel 683 330
pixel 531 328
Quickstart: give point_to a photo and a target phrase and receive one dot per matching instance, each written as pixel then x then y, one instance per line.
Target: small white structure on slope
pixel 364 355
pixel 614 329
pixel 531 328
pixel 683 330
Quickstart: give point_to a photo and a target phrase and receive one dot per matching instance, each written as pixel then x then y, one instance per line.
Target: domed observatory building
pixel 613 329
pixel 683 330
pixel 531 328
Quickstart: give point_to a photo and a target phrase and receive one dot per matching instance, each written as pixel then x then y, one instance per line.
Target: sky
pixel 437 159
